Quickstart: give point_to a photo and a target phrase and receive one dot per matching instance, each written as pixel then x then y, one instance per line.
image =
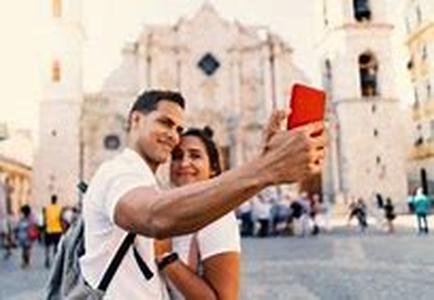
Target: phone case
pixel 307 105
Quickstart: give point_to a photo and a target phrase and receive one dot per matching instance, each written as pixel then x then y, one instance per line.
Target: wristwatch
pixel 167 259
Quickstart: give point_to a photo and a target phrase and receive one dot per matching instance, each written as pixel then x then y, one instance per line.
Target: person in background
pixel 410 201
pixel 421 208
pixel 389 214
pixel 380 201
pixel 305 214
pixel 245 215
pixel 361 212
pixel 209 259
pixel 315 210
pixel 262 213
pixel 26 234
pixel 53 228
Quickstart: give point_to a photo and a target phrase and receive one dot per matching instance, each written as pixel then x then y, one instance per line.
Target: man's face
pixel 157 133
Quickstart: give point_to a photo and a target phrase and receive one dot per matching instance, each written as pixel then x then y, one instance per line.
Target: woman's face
pixel 190 162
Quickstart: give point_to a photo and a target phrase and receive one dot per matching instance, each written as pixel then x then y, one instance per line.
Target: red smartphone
pixel 307 105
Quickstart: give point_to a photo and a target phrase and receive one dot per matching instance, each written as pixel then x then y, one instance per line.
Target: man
pixel 53 228
pixel 123 195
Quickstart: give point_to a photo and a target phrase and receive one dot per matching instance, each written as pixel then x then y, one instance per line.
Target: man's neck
pixel 151 164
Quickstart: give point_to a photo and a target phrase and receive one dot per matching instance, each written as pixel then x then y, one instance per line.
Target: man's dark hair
pixel 148 101
pixel 206 136
pixel 53 199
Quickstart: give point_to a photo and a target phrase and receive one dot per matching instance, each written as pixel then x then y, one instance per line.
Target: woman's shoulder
pixel 227 222
pixel 219 237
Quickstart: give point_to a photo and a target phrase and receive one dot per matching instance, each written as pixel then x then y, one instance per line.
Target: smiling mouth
pixel 167 147
pixel 184 174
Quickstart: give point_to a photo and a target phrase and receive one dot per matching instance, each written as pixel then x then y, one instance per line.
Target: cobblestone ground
pixel 19 284
pixel 340 265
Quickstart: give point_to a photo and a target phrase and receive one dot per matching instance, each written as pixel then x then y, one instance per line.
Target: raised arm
pixel 289 157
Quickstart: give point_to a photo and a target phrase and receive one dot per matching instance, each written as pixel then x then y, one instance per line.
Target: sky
pixel 110 23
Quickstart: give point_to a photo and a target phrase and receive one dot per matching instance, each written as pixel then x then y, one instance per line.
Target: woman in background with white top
pixel 206 264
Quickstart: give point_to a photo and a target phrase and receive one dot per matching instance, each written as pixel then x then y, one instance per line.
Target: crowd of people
pixel 273 213
pixel 384 211
pixel 269 213
pixel 29 227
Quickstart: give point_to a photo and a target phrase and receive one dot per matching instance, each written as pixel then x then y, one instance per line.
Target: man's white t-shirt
pixel 218 237
pixel 103 237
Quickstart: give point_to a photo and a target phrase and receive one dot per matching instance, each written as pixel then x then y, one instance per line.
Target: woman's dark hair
pixel 205 135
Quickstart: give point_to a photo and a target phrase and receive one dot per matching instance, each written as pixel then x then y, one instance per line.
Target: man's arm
pixel 163 214
pixel 289 157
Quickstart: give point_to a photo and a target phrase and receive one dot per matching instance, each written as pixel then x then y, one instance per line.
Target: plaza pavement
pixel 343 264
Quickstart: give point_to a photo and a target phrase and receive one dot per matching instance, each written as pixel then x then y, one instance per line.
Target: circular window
pixel 112 142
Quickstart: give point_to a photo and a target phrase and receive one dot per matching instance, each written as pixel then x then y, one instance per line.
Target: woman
pixel 206 264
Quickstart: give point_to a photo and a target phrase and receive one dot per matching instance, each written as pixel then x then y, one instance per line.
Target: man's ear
pixel 134 119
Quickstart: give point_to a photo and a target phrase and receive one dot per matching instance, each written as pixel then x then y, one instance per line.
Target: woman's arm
pixel 220 280
pixel 191 285
pixel 222 272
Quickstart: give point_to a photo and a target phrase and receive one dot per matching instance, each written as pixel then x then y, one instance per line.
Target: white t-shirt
pixel 103 237
pixel 218 237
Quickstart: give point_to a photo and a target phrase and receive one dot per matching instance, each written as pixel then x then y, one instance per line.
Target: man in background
pixel 53 228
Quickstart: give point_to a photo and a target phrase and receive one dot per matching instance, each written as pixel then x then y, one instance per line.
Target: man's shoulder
pixel 112 166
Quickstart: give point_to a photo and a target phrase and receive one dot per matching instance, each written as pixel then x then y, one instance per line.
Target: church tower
pixel 57 163
pixel 366 154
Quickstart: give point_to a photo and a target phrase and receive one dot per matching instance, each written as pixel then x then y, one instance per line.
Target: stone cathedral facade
pixel 232 76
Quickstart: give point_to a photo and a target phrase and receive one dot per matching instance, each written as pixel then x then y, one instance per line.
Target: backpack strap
pixel 117 259
pixel 142 265
pixel 119 255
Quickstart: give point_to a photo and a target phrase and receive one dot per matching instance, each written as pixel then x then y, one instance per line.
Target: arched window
pixel 55 71
pixel 368 68
pixel 112 142
pixel 57 8
pixel 362 11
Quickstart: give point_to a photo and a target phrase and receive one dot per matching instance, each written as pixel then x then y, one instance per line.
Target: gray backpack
pixel 66 280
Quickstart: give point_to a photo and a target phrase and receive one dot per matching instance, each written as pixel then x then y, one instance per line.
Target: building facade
pixel 419 24
pixel 56 161
pixel 15 171
pixel 232 76
pixel 363 109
